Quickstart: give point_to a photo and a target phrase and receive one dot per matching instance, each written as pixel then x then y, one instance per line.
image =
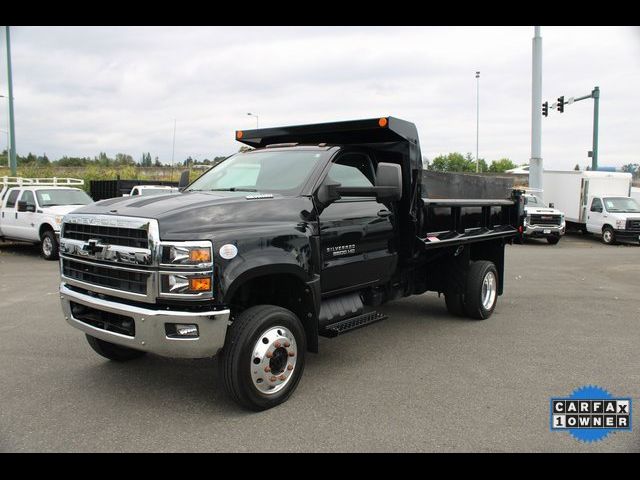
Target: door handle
pixel 384 213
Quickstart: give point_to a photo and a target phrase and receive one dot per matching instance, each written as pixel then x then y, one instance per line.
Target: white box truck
pixel 596 202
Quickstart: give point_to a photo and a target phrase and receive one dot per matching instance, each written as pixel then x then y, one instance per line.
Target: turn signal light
pixel 239 134
pixel 202 284
pixel 200 255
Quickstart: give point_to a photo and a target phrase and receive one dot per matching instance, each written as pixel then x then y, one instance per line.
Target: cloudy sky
pixel 82 90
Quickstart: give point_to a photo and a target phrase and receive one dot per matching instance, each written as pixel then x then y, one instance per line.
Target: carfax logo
pixel 590 413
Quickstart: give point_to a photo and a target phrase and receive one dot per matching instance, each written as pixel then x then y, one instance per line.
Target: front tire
pixel 49 246
pixel 114 352
pixel 481 294
pixel 263 356
pixel 608 236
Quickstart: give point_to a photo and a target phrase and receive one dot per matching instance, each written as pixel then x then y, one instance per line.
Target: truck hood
pixel 542 211
pixel 60 209
pixel 194 215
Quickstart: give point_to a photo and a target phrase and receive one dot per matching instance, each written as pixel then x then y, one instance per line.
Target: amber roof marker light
pixel 383 122
pixel 239 134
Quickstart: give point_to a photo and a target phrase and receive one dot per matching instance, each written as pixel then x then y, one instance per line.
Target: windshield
pixel 621 204
pixel 533 201
pixel 260 171
pixel 157 191
pixel 53 197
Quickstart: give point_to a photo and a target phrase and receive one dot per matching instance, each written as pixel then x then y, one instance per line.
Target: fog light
pixel 186 330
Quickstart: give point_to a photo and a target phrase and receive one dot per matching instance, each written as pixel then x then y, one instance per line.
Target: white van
pixel 595 202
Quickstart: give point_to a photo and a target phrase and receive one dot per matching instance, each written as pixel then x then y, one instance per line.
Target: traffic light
pixel 545 109
pixel 561 104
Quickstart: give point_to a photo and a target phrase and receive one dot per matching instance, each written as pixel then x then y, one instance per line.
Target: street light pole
pixel 173 150
pixel 12 134
pixel 254 115
pixel 535 162
pixel 477 120
pixel 596 111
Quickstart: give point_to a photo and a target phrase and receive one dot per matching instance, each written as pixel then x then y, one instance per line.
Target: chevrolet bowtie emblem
pixel 92 246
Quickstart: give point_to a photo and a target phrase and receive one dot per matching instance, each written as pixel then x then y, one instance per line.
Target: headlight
pixel 186 270
pixel 58 219
pixel 195 255
pixel 185 284
pixel 621 224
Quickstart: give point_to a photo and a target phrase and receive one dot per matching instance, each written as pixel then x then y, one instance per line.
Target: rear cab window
pixel 12 198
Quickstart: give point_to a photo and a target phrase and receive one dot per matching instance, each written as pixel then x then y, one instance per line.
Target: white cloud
pixel 81 90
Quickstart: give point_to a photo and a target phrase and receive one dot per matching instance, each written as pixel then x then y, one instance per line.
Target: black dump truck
pixel 304 235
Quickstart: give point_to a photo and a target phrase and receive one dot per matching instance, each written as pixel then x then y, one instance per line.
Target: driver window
pixel 353 170
pixel 27 196
pixel 596 205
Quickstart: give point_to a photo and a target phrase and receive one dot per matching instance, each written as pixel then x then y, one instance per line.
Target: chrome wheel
pixel 273 360
pixel 47 246
pixel 489 290
pixel 607 236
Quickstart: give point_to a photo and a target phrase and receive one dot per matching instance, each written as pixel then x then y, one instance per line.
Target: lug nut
pixel 267 369
pixel 277 344
pixel 269 354
pixel 292 354
pixel 287 344
pixel 282 377
pixel 289 367
pixel 273 378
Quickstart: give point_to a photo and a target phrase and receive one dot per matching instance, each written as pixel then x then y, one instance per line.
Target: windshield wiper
pixel 233 189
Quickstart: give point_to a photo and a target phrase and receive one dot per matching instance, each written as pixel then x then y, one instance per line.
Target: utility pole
pixel 596 112
pixel 173 150
pixel 257 121
pixel 12 133
pixel 477 120
pixel 535 163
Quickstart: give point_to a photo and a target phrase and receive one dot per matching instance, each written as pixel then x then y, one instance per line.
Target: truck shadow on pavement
pixel 16 248
pixel 154 382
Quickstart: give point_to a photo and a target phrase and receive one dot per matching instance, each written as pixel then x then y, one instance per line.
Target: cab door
pixel 356 234
pixel 9 214
pixel 595 216
pixel 26 221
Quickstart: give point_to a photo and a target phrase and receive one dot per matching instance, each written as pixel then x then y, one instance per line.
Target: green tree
pixel 453 162
pixel 502 165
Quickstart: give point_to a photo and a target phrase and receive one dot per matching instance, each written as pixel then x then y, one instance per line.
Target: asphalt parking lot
pixel 418 381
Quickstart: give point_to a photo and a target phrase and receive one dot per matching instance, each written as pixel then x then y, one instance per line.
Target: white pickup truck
pixel 542 221
pixel 31 210
pixel 148 190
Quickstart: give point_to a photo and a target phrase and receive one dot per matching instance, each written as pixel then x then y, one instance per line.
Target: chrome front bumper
pixel 150 334
pixel 538 230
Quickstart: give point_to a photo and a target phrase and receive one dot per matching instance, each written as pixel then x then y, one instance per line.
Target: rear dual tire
pixel 480 294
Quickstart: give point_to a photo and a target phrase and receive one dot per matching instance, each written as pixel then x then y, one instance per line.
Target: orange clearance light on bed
pixel 383 122
pixel 200 284
pixel 239 134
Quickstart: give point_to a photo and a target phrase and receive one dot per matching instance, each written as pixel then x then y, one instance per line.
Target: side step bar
pixel 344 326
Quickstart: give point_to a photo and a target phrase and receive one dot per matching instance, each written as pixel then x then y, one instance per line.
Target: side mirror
pixel 388 182
pixel 328 192
pixel 184 180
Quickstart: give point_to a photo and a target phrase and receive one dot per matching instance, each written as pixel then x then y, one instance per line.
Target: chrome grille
pixel 542 219
pixel 128 237
pixel 134 281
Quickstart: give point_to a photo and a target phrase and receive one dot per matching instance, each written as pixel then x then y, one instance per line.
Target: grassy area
pixel 96 172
